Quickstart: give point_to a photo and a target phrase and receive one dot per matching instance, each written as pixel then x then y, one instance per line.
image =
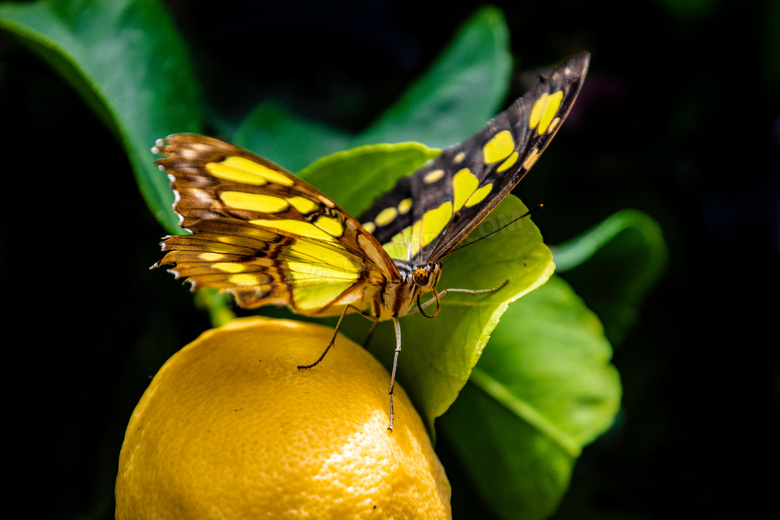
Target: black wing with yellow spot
pixel 428 213
pixel 263 234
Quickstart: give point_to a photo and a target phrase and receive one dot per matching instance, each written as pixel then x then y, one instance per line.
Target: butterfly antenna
pixel 527 213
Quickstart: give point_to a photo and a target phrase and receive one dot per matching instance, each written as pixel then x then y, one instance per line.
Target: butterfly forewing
pixel 430 212
pixel 264 235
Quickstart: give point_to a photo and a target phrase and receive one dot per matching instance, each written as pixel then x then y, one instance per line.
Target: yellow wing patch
pixel 463 185
pixel 330 225
pixel 254 202
pixel 479 195
pixel 241 169
pixel 510 161
pixel 499 147
pixel 248 280
pixel 386 216
pixel 544 111
pixel 303 205
pixel 229 267
pixel 433 176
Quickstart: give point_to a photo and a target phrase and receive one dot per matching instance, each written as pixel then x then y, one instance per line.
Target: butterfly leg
pixel 330 344
pixel 462 291
pixel 397 326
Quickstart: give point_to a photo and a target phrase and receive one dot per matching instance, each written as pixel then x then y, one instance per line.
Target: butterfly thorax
pixel 401 295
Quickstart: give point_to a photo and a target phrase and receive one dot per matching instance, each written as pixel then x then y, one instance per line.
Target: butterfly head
pixel 426 277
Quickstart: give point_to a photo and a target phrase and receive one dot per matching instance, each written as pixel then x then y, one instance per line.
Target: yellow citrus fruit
pixel 231 429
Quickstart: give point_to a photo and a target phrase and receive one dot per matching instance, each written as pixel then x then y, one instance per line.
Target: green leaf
pixel 543 388
pixel 127 60
pixel 614 265
pixel 438 354
pixel 458 94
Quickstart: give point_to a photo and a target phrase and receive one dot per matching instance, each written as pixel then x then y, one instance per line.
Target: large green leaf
pixel 127 60
pixel 439 354
pixel 614 265
pixel 543 388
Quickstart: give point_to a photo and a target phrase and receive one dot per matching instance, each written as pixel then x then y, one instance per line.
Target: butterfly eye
pixel 421 277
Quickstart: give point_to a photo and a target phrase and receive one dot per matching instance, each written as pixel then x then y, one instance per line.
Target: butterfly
pixel 269 238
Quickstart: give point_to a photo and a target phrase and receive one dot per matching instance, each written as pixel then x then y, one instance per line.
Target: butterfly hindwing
pixel 262 234
pixel 430 212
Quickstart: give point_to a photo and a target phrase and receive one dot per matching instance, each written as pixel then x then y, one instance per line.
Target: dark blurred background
pixel 680 118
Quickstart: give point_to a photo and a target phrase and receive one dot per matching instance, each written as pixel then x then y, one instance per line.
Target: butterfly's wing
pixel 428 213
pixel 263 234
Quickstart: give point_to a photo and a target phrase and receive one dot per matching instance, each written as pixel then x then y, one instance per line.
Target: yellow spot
pixel 544 111
pixel 386 216
pixel 254 202
pixel 211 257
pixel 499 147
pixel 435 220
pixel 330 225
pixel 504 166
pixel 295 227
pixel 244 279
pixel 537 111
pixel 369 226
pixel 553 104
pixel 433 176
pixel 404 206
pixel 531 160
pixel 479 195
pixel 463 185
pixel 228 173
pixel 459 158
pixel 241 169
pixel 304 206
pixel 553 125
pixel 229 267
